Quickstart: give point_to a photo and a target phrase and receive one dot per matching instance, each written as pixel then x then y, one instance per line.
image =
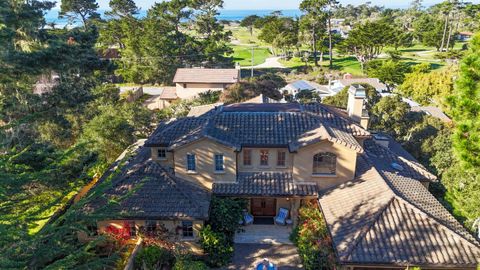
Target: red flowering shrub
pixel 313 240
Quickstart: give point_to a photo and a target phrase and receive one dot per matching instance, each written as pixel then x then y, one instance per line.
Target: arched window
pixel 325 163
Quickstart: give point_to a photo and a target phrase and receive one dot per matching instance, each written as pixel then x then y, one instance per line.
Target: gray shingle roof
pixel 146 191
pixel 265 184
pixel 239 125
pixel 388 217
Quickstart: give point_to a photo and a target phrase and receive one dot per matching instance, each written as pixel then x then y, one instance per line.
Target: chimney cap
pixel 358 90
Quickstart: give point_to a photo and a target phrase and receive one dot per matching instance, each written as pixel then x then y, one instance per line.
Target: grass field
pixel 242 35
pixel 347 64
pixel 416 54
pixel 243 55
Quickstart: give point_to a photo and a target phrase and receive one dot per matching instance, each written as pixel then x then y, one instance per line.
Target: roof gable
pixel 262 125
pixel 384 217
pixel 205 75
pixel 145 190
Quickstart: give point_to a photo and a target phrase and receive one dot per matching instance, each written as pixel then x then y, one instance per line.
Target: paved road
pixel 247 255
pixel 271 62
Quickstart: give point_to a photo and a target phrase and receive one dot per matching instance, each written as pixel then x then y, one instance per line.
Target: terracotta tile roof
pixel 239 125
pixel 146 190
pixel 265 184
pixel 169 93
pixel 387 217
pixel 205 75
pixel 396 154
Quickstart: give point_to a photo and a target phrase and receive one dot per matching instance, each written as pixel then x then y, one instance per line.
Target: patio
pixel 285 257
pixel 264 234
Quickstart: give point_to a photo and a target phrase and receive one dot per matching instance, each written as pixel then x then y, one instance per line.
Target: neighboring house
pixel 464 36
pixel 46 83
pixel 338 85
pixel 264 99
pixel 167 96
pixel 432 111
pixel 192 81
pixel 298 86
pixel 373 194
pixel 339 27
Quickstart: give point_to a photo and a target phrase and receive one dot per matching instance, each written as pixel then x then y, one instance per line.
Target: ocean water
pixel 229 15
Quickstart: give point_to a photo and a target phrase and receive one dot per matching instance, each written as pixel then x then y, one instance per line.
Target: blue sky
pixel 281 4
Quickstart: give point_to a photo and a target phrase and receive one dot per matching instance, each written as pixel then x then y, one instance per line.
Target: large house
pixel 373 195
pixel 338 85
pixel 192 81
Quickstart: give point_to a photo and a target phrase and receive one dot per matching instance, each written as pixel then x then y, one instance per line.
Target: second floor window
pixel 219 166
pixel 247 157
pixel 191 166
pixel 162 153
pixel 263 157
pixel 281 158
pixel 325 164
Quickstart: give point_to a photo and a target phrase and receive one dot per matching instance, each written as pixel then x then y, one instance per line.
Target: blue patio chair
pixel 247 217
pixel 281 218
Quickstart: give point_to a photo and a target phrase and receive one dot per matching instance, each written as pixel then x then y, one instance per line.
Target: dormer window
pixel 162 153
pixel 191 163
pixel 324 164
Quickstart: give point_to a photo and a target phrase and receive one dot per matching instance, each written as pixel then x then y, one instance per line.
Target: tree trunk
pixel 330 45
pixel 450 32
pixel 444 32
pixel 315 45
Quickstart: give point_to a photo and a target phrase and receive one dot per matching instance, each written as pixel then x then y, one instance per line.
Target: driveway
pixel 247 255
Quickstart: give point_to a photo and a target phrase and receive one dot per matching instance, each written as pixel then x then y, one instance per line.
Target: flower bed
pixel 313 240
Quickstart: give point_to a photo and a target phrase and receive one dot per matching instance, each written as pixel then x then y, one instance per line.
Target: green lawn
pixel 243 55
pixel 243 35
pixel 347 64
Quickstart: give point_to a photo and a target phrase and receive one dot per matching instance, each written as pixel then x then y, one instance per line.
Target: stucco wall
pixel 166 163
pixel 272 160
pixel 303 164
pixel 170 225
pixel 205 151
pixel 193 89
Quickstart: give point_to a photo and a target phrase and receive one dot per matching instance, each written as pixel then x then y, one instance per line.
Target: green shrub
pixel 217 247
pixel 187 264
pixel 225 214
pixel 312 239
pixel 153 257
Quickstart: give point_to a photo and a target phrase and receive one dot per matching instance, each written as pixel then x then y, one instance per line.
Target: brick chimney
pixel 357 97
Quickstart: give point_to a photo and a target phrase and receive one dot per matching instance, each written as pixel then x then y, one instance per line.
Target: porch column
pixel 294 213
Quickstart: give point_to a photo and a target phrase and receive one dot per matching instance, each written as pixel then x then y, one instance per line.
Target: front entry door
pixel 265 207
